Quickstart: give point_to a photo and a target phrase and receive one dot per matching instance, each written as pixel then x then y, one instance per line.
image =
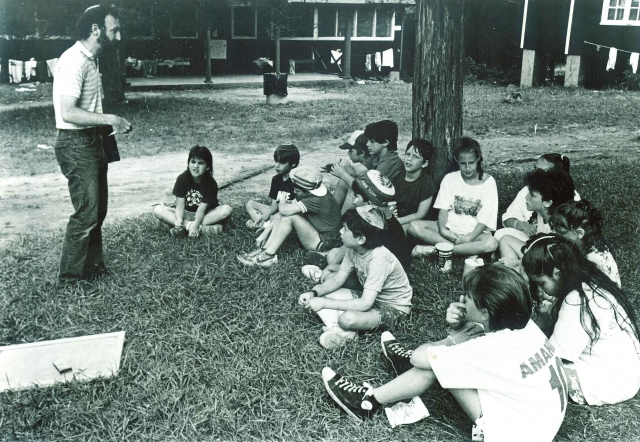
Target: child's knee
pixel 348 320
pixel 226 211
pixel 491 244
pixel 250 206
pixel 159 211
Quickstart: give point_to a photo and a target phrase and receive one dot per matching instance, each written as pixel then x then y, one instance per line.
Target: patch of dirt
pixel 250 95
pixel 37 204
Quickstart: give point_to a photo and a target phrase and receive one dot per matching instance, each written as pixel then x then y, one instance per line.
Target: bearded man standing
pixel 80 145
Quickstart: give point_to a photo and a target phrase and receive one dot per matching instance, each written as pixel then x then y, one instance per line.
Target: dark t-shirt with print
pixel 206 191
pixel 281 189
pixel 409 195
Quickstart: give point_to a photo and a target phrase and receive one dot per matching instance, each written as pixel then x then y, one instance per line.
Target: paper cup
pixel 470 264
pixel 445 252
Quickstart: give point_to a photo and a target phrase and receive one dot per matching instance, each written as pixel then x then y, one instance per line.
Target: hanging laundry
pixel 16 69
pixel 613 55
pixel 633 61
pixel 51 66
pixel 378 60
pixel 30 68
pixel 367 63
pixel 387 58
pixel 335 57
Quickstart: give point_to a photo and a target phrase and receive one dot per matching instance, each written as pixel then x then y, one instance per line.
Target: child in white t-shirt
pixel 595 331
pixel 468 207
pixel 518 220
pixel 509 381
pixel 581 223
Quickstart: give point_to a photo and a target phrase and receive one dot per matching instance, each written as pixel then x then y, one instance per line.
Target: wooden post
pixel 276 61
pixel 437 78
pixel 528 74
pixel 207 41
pixel 346 56
pixel 207 48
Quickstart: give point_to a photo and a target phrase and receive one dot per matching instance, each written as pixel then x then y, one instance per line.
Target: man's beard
pixel 104 42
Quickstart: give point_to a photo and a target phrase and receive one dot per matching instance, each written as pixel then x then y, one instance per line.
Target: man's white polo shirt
pixel 76 75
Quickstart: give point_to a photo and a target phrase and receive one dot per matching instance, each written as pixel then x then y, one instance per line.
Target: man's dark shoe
pixel 396 353
pixel 82 288
pixel 357 401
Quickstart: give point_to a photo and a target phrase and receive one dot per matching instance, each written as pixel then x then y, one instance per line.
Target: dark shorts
pixel 328 242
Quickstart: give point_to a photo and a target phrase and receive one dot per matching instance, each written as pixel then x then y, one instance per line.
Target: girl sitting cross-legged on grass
pixel 508 378
pixel 468 207
pixel 581 223
pixel 386 294
pixel 197 209
pixel 595 331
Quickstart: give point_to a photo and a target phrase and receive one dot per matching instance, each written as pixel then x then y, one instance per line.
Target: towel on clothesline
pixel 30 68
pixel 633 61
pixel 378 60
pixel 613 55
pixel 387 58
pixel 335 55
pixel 367 63
pixel 16 69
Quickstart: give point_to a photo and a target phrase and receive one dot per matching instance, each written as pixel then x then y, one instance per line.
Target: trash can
pixel 275 87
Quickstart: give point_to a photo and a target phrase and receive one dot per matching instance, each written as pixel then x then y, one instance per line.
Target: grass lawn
pixel 217 351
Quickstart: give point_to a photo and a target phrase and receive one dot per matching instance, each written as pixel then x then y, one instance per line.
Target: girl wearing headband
pixel 595 331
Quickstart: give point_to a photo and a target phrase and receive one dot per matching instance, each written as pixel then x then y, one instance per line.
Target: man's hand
pixel 120 125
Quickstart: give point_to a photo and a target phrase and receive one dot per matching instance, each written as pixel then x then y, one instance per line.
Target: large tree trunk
pixel 437 78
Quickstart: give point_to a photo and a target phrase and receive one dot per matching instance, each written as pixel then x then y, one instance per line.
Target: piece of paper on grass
pixel 26 365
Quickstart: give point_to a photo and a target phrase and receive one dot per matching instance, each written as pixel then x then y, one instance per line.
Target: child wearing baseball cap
pixel 314 216
pixel 386 294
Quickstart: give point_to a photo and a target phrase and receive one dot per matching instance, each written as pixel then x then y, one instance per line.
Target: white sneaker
pixel 312 272
pixel 423 251
pixel 336 337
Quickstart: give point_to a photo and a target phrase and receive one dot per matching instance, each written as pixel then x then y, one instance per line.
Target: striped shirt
pixel 76 75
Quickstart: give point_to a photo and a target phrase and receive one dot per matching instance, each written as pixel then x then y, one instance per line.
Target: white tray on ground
pixel 88 357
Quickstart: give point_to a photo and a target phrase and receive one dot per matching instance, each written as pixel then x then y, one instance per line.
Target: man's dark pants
pixel 81 157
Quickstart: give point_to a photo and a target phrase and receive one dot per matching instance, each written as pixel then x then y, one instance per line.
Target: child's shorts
pixel 328 242
pixel 389 316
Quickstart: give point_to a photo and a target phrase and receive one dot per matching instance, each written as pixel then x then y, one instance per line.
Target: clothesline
pixel 608 47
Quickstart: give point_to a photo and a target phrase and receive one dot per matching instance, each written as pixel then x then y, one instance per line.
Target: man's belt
pixel 89 131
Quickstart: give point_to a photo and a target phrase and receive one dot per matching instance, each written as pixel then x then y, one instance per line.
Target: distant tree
pixel 437 77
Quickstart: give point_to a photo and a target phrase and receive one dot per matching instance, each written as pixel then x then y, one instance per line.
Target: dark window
pixel 326 22
pixel 383 22
pixel 365 23
pixel 297 21
pixel 244 21
pixel 184 22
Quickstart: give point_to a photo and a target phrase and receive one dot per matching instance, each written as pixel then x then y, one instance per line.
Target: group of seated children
pixel 511 381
